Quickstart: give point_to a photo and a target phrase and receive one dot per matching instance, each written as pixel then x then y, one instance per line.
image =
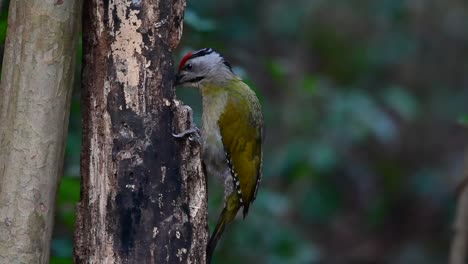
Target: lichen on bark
pixel 143 191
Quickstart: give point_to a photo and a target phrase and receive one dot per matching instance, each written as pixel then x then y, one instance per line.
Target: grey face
pixel 202 66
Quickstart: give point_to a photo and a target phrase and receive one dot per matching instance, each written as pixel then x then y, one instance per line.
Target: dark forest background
pixel 366 109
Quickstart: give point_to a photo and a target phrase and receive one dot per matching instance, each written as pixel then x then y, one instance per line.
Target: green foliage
pixel 343 59
pixel 56 260
pixel 69 191
pixel 3 25
pixel 463 120
pixel 196 22
pixel 402 102
pixel 61 249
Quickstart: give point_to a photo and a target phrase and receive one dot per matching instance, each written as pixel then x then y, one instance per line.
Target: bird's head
pixel 203 66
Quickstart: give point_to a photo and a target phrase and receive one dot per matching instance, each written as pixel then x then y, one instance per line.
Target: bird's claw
pixel 193 133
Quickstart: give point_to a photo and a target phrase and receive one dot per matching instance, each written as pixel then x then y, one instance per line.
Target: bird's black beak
pixel 178 78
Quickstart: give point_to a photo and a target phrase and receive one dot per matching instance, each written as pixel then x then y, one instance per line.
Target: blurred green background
pixel 366 108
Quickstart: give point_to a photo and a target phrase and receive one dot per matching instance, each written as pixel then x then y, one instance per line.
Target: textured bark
pixel 143 191
pixel 38 70
pixel 459 250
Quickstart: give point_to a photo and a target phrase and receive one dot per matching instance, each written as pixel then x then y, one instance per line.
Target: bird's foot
pixel 193 133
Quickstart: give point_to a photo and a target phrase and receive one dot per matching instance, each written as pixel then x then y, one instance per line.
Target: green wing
pixel 241 127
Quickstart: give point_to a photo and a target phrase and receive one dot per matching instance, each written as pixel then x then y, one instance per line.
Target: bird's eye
pixel 188 67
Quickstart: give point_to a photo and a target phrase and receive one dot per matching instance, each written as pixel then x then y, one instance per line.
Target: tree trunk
pixel 143 191
pixel 38 71
pixel 459 250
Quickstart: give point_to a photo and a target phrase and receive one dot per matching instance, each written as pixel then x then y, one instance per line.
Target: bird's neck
pixel 214 97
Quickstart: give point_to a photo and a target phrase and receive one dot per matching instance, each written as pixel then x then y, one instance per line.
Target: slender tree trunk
pixel 37 77
pixel 459 250
pixel 143 191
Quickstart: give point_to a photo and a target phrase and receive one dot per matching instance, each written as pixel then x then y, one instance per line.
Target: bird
pixel 231 134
